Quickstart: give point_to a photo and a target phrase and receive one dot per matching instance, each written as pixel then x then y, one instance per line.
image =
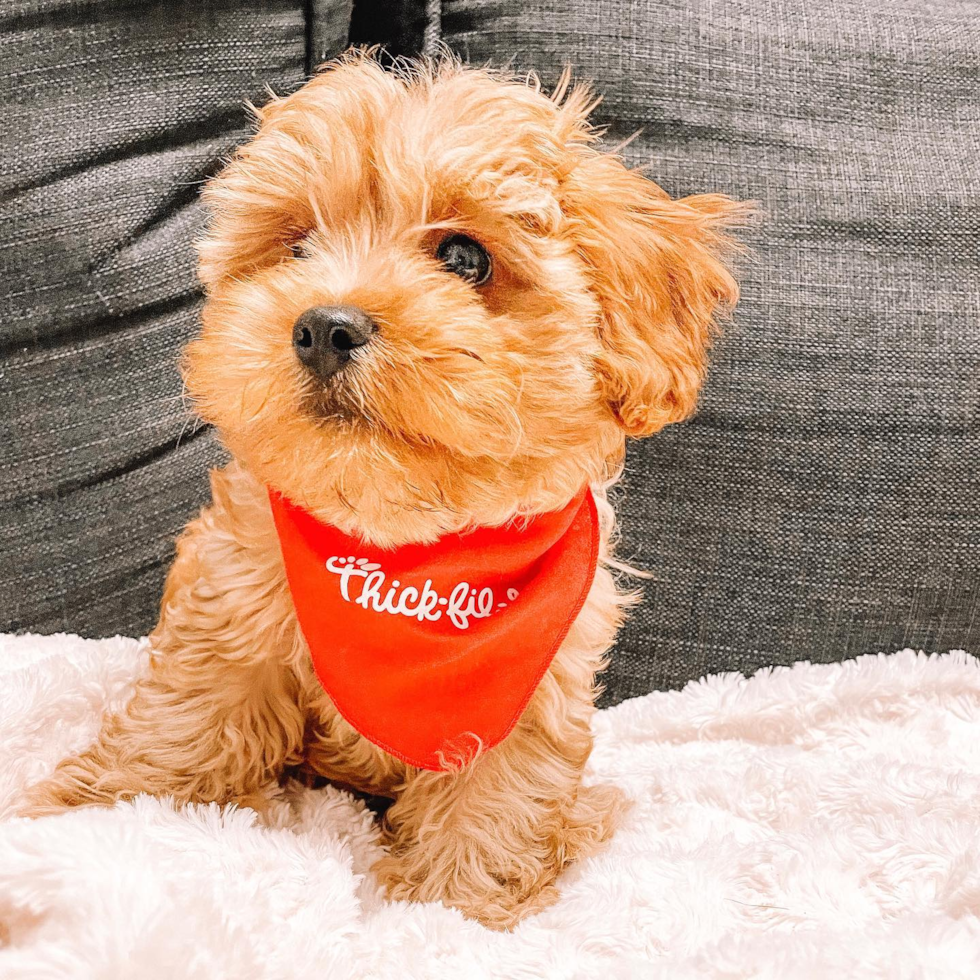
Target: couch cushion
pixel 114 113
pixel 824 502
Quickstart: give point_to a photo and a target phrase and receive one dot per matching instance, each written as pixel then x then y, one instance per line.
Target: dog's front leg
pixel 225 746
pixel 217 716
pixel 491 839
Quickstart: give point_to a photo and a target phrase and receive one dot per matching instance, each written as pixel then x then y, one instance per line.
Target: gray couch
pixel 823 503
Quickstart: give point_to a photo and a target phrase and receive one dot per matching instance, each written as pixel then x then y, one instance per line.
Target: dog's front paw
pixel 78 781
pixel 496 872
pixel 497 901
pixel 492 867
pixel 52 795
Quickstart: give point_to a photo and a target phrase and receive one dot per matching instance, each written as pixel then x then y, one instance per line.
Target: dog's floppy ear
pixel 657 267
pixel 256 205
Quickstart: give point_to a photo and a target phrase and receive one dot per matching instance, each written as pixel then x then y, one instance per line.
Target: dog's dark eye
pixel 466 258
pixel 298 246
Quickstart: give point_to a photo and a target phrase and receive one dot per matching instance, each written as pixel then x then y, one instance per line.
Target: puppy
pixel 435 312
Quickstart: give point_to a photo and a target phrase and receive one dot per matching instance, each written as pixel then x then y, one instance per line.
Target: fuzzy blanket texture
pixel 813 821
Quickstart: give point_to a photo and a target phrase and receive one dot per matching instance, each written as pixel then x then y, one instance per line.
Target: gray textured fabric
pixel 327 29
pixel 114 113
pixel 824 502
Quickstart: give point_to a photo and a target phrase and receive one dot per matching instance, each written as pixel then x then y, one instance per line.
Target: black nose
pixel 324 337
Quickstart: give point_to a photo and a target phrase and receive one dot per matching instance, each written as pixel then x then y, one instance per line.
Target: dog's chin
pixel 349 429
pixel 332 406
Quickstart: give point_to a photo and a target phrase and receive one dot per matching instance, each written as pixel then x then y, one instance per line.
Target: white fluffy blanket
pixel 818 821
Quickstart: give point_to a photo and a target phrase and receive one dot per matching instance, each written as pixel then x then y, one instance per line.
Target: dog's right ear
pixel 275 188
pixel 255 207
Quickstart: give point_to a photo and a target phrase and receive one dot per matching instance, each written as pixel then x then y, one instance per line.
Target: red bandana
pixel 423 647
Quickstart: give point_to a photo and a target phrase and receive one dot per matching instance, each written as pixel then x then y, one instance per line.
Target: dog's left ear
pixel 657 267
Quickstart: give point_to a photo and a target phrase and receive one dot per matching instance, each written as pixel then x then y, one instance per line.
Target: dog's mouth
pixel 335 403
pixel 347 402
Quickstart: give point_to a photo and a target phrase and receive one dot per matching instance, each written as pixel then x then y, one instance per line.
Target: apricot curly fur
pixel 474 406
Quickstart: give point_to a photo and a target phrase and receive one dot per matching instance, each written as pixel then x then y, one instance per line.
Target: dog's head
pixel 432 302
